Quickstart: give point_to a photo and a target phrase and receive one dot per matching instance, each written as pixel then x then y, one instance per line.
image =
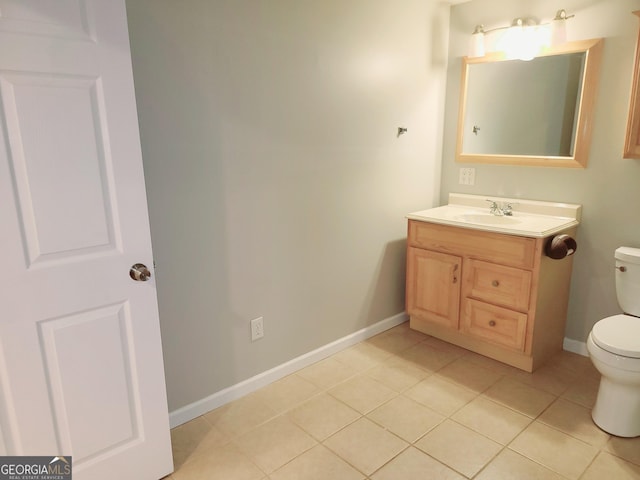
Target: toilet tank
pixel 628 279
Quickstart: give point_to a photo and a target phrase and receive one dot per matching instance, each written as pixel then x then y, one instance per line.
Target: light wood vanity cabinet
pixel 492 293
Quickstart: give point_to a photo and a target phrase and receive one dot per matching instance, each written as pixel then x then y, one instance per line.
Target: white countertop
pixel 531 218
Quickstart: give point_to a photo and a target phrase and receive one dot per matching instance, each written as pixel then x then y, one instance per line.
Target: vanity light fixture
pixel 523 39
pixel 477 42
pixel 559 28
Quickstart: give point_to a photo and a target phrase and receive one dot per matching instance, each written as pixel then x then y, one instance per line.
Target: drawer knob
pixel 495 283
pixel 492 323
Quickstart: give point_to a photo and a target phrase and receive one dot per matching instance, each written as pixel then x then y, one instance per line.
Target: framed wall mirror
pixel 537 112
pixel 632 139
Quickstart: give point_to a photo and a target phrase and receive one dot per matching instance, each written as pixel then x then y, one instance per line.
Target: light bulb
pixel 559 28
pixel 477 42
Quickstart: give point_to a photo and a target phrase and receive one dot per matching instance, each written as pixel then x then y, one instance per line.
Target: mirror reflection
pixel 534 112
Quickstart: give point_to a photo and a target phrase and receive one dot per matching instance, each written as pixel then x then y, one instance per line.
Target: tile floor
pixel 405 406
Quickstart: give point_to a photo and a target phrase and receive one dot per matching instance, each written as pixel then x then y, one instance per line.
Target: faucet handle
pixel 508 208
pixel 494 209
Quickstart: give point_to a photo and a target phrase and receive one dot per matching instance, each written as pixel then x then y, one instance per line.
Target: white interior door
pixel 81 368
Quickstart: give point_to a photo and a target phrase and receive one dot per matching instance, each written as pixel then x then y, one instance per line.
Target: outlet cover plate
pixel 257 329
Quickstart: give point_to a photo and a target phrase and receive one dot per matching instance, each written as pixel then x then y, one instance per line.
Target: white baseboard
pixel 575 346
pixel 195 409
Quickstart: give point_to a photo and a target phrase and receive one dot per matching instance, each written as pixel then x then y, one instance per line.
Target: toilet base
pixel 617 408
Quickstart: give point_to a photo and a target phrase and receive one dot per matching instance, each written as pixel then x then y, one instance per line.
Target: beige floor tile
pixel 428 357
pixel 584 392
pixel 412 464
pixel 490 363
pixel 319 463
pixel 406 325
pixel 458 447
pixel 555 450
pixel 275 443
pixel 365 445
pixel 548 378
pixel 362 393
pixel 362 356
pixel 286 393
pixel 611 467
pixel 627 448
pixel 509 465
pixel 397 340
pixel 327 373
pixel 406 418
pixel 578 364
pixel 440 395
pixel 520 397
pixel 222 463
pixel 397 374
pixel 469 375
pixel 574 420
pixel 446 346
pixel 193 438
pixel 240 416
pixel 491 419
pixel 323 415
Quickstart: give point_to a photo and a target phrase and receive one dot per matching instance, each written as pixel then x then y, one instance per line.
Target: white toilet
pixel 614 347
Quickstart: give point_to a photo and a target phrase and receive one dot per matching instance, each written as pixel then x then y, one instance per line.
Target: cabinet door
pixel 433 286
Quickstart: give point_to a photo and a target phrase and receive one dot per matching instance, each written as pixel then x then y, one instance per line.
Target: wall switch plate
pixel 257 329
pixel 467 176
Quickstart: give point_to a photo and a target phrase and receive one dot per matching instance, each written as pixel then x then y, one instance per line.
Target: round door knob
pixel 139 272
pixel 492 323
pixel 495 283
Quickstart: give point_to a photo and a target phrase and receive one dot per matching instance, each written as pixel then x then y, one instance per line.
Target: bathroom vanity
pixel 483 280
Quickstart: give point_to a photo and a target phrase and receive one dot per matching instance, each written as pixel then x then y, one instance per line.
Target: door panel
pixel 77 347
pixel 67 18
pixel 72 215
pixel 81 368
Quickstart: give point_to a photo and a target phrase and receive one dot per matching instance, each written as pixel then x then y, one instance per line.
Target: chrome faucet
pixel 499 210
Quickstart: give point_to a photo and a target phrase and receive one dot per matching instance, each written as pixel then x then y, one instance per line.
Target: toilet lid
pixel 619 334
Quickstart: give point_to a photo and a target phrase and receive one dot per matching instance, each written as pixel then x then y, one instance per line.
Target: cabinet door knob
pixel 495 283
pixel 492 323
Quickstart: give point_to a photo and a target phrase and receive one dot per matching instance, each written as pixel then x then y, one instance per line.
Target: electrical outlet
pixel 467 176
pixel 257 329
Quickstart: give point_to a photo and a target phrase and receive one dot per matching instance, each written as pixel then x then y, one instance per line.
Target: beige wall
pixel 276 183
pixel 608 188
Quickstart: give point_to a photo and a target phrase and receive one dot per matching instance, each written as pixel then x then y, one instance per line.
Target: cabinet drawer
pixel 494 247
pixel 494 324
pixel 506 286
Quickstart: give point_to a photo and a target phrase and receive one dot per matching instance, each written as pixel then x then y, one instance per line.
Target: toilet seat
pixel 618 334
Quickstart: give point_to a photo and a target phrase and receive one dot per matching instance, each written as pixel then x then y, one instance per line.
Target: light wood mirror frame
pixel 632 140
pixel 583 118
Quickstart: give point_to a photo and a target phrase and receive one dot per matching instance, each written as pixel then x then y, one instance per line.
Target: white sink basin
pixel 488 219
pixel 531 218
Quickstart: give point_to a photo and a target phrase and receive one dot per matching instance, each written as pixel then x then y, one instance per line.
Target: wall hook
pixel 476 129
pixel 402 131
